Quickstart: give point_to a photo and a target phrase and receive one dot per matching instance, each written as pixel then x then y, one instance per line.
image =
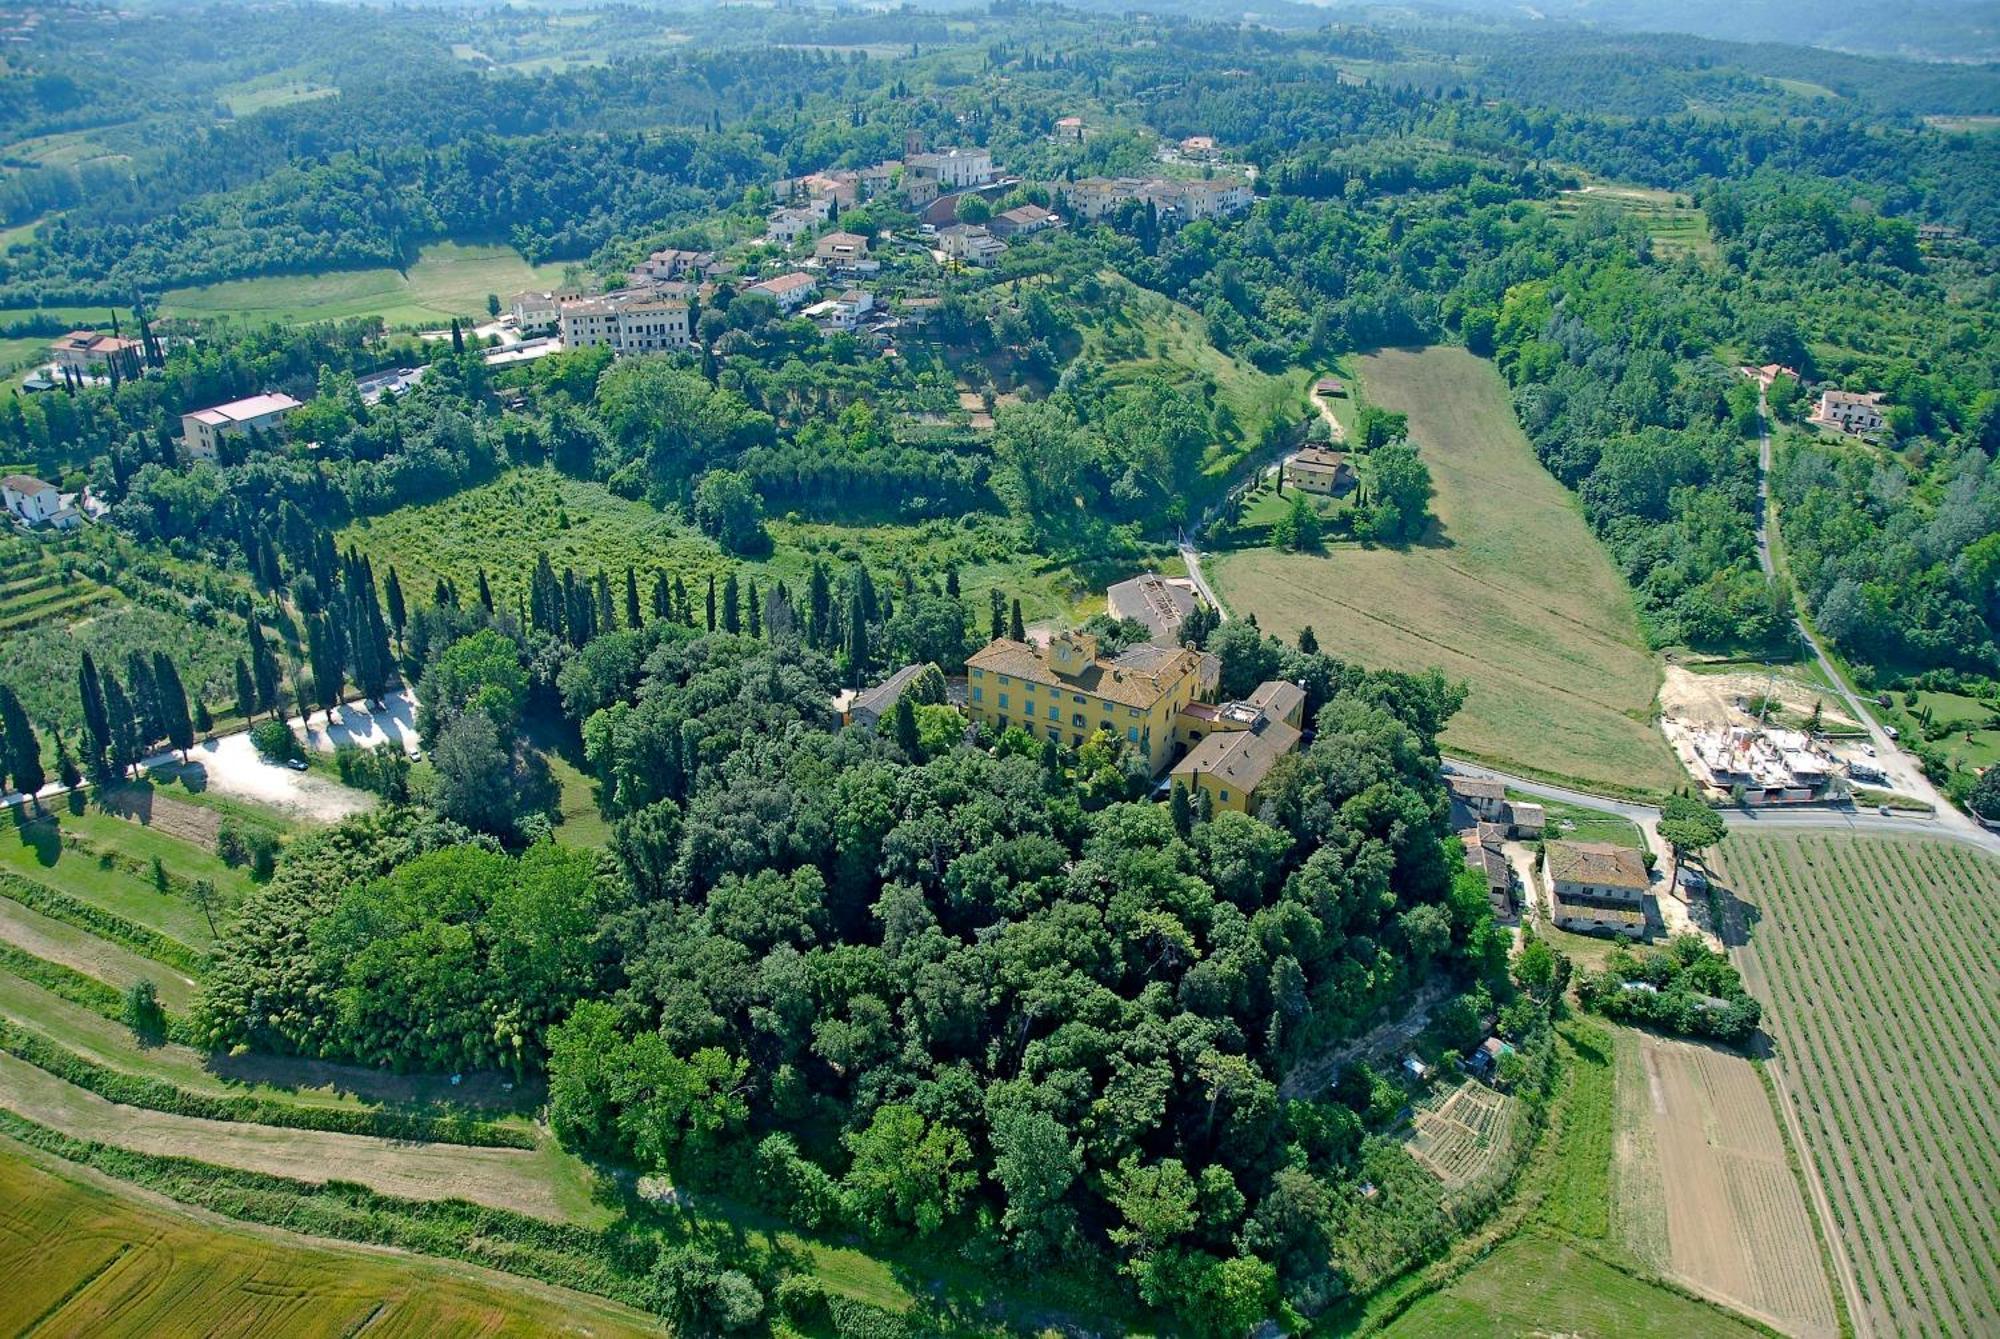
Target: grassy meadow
pixel 448 280
pixel 1670 218
pixel 1510 592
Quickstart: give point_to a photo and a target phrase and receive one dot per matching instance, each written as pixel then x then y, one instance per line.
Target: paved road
pixel 1192 557
pixel 1858 820
pixel 1902 770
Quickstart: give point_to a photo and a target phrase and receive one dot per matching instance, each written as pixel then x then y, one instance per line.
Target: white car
pixel 296 764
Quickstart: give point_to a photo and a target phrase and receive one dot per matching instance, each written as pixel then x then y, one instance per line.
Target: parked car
pixel 296 764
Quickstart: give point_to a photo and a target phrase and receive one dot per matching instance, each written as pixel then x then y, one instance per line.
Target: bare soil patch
pixel 1716 699
pixel 504 1178
pixel 1698 1146
pixel 147 806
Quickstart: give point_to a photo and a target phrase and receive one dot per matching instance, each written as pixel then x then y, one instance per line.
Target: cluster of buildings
pixel 1158 699
pixel 90 354
pixel 1764 766
pixel 1485 819
pixel 1178 199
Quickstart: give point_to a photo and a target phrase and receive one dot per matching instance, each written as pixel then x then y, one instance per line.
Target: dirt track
pixel 505 1178
pixel 1699 1145
pixel 79 950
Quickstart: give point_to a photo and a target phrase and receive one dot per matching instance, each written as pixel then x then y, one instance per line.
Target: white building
pixel 1855 412
pixel 845 253
pixel 1178 199
pixel 970 245
pixel 841 313
pixel 628 321
pixel 669 264
pixel 541 311
pixel 786 226
pixel 30 499
pixel 951 169
pixel 204 429
pixel 789 291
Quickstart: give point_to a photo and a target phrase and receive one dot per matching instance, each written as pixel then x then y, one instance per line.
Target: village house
pixel 950 169
pixel 1156 601
pixel 90 354
pixel 1315 470
pixel 31 500
pixel 1199 149
pixel 843 188
pixel 628 321
pixel 971 246
pixel 789 291
pixel 845 253
pixel 1021 221
pixel 1856 412
pixel 1597 888
pixel 670 264
pixel 1177 199
pixel 868 707
pixel 841 313
pixel 1069 130
pixel 1937 232
pixel 1331 387
pixel 1485 853
pixel 541 310
pixel 787 226
pixel 203 430
pixel 1236 744
pixel 1067 693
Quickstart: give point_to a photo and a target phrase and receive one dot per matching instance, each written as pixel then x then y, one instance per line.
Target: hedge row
pixel 64 982
pixel 140 939
pixel 612 1262
pixel 158 1095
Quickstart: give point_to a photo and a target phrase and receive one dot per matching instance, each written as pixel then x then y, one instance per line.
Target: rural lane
pixel 1855 820
pixel 1902 770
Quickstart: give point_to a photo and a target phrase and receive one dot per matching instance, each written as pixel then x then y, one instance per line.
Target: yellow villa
pixel 1067 693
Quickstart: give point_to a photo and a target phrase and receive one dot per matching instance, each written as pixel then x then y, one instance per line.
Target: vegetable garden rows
pixel 1884 1017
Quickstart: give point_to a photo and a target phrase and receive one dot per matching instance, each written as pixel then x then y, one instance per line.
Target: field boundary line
pixel 1832 1259
pixel 92 919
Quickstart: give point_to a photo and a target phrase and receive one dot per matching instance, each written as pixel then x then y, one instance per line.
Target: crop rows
pixel 1885 992
pixel 1464 1136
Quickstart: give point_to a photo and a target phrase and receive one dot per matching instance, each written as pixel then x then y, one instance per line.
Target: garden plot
pixel 1463 1135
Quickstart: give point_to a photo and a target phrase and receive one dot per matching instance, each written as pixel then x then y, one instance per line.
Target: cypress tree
pixel 147 717
pixel 906 729
pixel 545 598
pixel 607 617
pixel 1015 627
pixel 1183 811
pixel 263 668
pixel 857 638
pixel 96 716
pixel 732 605
pixel 663 597
pixel 711 602
pixel 998 602
pixel 684 610
pixel 326 675
pixel 632 615
pixel 951 582
pixel 67 771
pixel 124 750
pixel 178 725
pixel 485 592
pixel 399 613
pixel 1308 640
pixel 819 606
pixel 246 691
pixel 24 750
pixel 756 612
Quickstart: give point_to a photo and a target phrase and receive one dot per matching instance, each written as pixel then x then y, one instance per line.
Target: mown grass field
pixel 503 525
pixel 1874 959
pixel 448 280
pixel 83 1259
pixel 1511 593
pixel 1541 1284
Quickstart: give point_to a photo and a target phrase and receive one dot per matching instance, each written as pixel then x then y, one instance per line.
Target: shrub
pixel 275 742
pixel 143 1012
